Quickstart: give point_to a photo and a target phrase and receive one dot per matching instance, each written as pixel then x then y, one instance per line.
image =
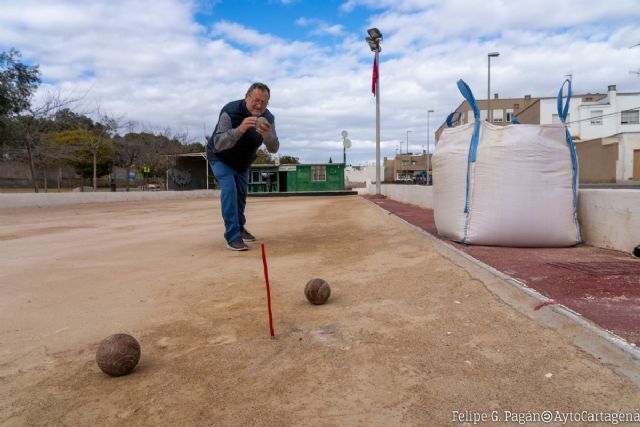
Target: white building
pixel 596 116
pixel 602 121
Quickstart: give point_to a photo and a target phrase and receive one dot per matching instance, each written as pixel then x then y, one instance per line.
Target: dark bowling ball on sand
pixel 317 291
pixel 118 354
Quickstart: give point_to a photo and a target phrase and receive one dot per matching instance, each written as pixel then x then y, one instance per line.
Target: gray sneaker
pixel 246 236
pixel 237 245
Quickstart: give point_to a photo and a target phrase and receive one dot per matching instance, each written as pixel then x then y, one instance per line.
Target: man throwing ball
pixel 243 126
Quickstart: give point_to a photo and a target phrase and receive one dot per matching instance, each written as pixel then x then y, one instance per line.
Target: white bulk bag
pixel 513 185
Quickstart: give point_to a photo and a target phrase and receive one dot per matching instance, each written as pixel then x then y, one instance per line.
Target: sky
pixel 173 64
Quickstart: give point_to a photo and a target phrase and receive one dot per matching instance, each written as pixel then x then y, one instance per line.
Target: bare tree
pixel 35 124
pixel 129 149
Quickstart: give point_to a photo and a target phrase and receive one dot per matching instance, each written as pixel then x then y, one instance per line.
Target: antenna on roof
pixel 635 72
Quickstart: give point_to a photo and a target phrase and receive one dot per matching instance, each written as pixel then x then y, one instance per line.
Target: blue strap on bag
pixel 468 95
pixel 451 119
pixel 563 112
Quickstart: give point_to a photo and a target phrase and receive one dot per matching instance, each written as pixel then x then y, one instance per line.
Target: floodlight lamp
pixel 373 44
pixel 494 54
pixel 375 33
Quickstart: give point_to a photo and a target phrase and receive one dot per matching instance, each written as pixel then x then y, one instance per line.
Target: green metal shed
pixel 296 178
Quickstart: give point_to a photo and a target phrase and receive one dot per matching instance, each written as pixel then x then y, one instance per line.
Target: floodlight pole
pixel 378 124
pixel 374 38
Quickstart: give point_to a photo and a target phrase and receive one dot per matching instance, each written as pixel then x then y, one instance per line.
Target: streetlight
pixel 408 140
pixel 346 143
pixel 428 142
pixel 489 56
pixel 374 39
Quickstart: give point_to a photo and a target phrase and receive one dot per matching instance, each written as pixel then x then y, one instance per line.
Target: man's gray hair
pixel 258 86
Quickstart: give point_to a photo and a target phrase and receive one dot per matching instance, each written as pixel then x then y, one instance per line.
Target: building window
pixel 255 176
pixel 318 173
pixel 596 117
pixel 498 115
pixel 630 117
pixel 509 115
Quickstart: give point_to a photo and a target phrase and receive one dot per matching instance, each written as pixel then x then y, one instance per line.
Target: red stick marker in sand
pixel 266 278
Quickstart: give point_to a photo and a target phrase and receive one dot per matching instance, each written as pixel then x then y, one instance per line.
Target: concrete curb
pixel 41 200
pixel 606 347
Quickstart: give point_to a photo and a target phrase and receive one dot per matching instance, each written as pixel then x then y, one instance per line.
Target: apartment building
pixel 406 167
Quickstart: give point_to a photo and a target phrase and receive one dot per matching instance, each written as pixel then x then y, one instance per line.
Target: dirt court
pixel 406 338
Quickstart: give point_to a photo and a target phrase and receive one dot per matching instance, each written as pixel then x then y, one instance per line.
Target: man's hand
pixel 263 127
pixel 246 124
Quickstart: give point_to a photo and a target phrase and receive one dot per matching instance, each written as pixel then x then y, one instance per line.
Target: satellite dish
pixel 345 134
pixel 347 143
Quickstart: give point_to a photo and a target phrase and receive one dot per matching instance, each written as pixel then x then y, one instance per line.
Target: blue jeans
pixel 233 198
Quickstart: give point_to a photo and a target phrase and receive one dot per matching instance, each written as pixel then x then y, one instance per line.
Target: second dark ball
pixel 317 291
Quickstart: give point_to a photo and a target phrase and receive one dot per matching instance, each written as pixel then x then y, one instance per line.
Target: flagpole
pixel 377 124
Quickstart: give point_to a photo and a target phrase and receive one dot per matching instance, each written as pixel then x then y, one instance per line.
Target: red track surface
pixel 602 285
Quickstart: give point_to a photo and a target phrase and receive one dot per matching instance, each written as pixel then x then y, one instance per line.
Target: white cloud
pixel 320 27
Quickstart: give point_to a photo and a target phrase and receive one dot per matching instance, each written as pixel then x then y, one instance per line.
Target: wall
pixel 597 162
pixel 608 218
pixel 630 142
pixel 418 195
pixel 39 200
pixel 360 174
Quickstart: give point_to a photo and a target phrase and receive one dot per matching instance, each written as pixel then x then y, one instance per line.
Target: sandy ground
pixel 406 338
